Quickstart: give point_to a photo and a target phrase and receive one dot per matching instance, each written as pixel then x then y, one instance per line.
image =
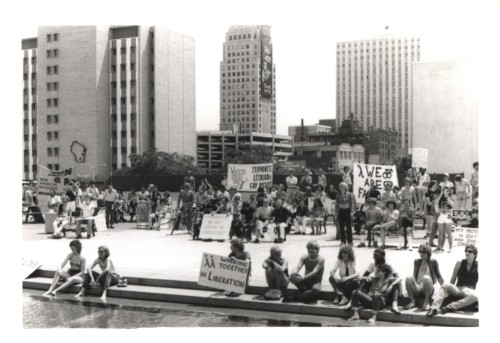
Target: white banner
pixel 249 177
pixel 419 157
pixel 366 175
pixel 216 226
pixel 50 180
pixel 100 220
pixel 463 236
pixel 225 273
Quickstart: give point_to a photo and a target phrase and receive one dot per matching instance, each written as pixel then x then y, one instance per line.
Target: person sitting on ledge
pixel 276 270
pixel 390 219
pixel 308 285
pixel 87 208
pixel 159 214
pixel 63 217
pixel 107 278
pixel 238 252
pixel 376 297
pixel 74 275
pixel 373 217
pixel 347 279
pixel 280 217
pixel 466 277
pixel 425 274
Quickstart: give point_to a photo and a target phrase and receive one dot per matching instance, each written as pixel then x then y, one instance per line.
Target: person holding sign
pixel 425 274
pixel 443 206
pixel 75 273
pixel 238 252
pixel 345 205
pixel 276 268
pixel 106 279
pixel 466 276
pixel 308 285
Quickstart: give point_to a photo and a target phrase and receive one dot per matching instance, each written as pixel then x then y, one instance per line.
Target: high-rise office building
pixel 95 95
pixel 374 78
pixel 247 80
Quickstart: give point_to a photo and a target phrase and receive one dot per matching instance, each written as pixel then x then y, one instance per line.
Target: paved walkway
pixel 157 254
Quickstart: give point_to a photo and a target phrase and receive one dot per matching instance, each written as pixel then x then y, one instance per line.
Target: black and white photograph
pixel 250 164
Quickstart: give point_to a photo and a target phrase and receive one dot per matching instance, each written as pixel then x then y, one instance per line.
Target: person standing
pixel 187 197
pixel 474 181
pixel 423 180
pixel 446 182
pixel 347 178
pixel 463 190
pixel 54 201
pixel 93 191
pixel 322 178
pixel 110 197
pixel 306 180
pixel 190 179
pixel 345 205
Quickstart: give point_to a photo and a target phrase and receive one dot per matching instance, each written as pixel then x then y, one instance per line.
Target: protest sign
pixel 463 236
pixel 419 157
pixel 225 273
pixel 215 226
pixel 28 267
pixel 329 205
pixel 50 180
pixel 366 175
pixel 100 220
pixel 249 177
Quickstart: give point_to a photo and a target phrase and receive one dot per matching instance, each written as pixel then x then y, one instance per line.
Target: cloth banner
pixel 50 180
pixel 215 226
pixel 463 236
pixel 366 175
pixel 419 157
pixel 28 267
pixel 225 273
pixel 249 177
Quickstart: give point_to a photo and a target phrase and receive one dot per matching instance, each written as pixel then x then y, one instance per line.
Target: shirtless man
pixel 308 285
pixel 276 269
pixel 373 217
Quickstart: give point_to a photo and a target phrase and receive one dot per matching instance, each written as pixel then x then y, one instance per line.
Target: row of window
pixel 244 36
pixel 52 37
pixel 123 134
pixel 52 86
pixel 123 67
pixel 52 70
pixel 123 50
pixel 123 84
pixel 52 135
pixel 33 60
pixel 53 166
pixel 53 151
pixel 33 76
pixel 33 91
pixel 237 60
pixel 53 102
pixel 53 119
pixel 124 117
pixel 33 106
pixel 123 100
pixel 52 53
pixel 238 73
pixel 386 41
pixel 33 137
pixel 133 150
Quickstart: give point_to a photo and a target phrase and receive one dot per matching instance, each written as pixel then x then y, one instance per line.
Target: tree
pixel 252 154
pixel 154 162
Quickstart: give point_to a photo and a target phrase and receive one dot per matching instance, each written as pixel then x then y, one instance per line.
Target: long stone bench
pixel 190 292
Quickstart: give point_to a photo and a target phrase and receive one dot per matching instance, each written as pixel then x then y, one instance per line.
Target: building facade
pixel 248 80
pixel 212 145
pixel 95 95
pixel 329 157
pixel 445 114
pixel 374 79
pixel 300 133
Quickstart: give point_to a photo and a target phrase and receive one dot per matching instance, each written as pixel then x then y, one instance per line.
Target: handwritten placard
pixel 225 273
pixel 215 226
pixel 463 236
pixel 367 175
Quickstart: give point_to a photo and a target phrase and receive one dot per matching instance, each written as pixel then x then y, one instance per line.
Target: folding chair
pixel 142 216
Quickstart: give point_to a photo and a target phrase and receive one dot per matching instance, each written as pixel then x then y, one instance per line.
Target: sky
pixel 304 37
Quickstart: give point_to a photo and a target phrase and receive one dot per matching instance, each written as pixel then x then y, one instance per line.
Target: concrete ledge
pixel 255 302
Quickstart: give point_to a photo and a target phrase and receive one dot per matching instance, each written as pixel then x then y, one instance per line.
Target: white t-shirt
pixel 341 267
pixel 291 181
pixel 87 210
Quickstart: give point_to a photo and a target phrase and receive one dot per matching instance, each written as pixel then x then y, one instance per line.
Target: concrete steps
pixel 190 292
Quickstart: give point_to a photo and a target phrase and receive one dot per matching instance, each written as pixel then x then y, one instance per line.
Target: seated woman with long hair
pixel 346 280
pixel 107 278
pixel 317 216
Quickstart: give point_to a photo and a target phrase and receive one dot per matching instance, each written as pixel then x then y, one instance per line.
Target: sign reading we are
pixel 225 273
pixel 367 175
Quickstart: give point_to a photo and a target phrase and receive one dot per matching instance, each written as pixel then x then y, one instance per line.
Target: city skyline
pixel 306 74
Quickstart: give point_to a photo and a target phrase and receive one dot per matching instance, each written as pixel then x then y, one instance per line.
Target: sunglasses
pixel 422 251
pixel 470 251
pixel 100 251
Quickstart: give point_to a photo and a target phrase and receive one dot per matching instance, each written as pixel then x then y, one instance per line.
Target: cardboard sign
pixel 225 273
pixel 249 177
pixel 100 220
pixel 419 157
pixel 28 267
pixel 366 175
pixel 463 236
pixel 216 226
pixel 329 205
pixel 50 180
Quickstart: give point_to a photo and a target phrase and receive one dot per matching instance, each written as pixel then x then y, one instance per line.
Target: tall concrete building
pixel 374 78
pixel 95 95
pixel 248 80
pixel 445 114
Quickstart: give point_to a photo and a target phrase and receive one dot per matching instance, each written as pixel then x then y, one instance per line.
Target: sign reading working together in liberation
pixel 367 175
pixel 225 273
pixel 249 177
